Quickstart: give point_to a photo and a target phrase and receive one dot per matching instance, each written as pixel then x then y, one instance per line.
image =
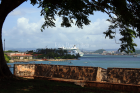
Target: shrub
pixel 7 58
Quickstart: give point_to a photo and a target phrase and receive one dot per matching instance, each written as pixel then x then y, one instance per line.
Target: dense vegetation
pixel 7 58
pixel 9 51
pixel 99 51
pixel 55 54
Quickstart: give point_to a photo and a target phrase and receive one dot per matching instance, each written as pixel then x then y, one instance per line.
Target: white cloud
pixel 23 11
pixel 27 34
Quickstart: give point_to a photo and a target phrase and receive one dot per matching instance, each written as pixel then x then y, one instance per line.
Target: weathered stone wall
pixel 68 72
pixel 123 75
pixel 112 75
pixel 104 75
pixel 24 70
pixel 59 71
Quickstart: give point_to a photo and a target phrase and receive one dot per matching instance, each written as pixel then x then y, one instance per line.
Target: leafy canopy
pixel 127 16
pixel 7 58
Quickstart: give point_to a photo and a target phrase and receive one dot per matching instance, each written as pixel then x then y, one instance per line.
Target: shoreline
pixel 60 59
pixel 28 60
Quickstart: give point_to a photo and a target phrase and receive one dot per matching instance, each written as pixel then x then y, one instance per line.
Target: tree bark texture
pixel 6 7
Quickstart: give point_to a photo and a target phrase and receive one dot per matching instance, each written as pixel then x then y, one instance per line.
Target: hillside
pixel 137 51
pixel 99 51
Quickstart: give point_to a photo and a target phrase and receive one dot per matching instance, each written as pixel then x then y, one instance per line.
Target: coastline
pixel 60 59
pixel 24 60
pixel 28 60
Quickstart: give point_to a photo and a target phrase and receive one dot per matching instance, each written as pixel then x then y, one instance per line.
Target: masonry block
pixel 123 75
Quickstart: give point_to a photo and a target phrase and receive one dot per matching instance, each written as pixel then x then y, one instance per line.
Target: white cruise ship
pixel 72 51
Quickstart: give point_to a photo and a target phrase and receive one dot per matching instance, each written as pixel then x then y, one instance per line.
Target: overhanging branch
pixel 7 6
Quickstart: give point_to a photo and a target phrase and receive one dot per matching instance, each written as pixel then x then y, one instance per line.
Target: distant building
pixel 19 55
pixel 104 53
pixel 113 51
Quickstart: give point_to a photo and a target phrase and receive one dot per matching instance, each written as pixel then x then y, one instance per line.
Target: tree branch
pixel 102 9
pixel 7 6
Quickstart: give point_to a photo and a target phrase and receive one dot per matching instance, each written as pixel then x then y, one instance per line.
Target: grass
pixel 45 86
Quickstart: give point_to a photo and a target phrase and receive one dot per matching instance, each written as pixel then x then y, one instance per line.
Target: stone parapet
pixel 59 71
pixel 24 69
pixel 111 75
pixel 123 75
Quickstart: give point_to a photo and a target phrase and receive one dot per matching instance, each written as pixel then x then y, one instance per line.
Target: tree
pixel 127 20
pixel 7 58
pixel 9 51
pixel 127 11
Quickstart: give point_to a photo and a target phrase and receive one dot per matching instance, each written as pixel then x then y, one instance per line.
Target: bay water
pixel 103 61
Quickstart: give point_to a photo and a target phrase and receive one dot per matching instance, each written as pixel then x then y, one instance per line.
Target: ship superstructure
pixel 72 51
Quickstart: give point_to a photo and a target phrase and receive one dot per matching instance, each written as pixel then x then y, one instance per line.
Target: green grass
pixel 45 86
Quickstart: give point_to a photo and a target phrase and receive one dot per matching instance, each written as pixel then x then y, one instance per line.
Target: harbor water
pixel 103 61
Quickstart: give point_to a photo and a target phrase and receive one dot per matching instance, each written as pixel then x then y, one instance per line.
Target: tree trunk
pixel 4 69
pixel 6 7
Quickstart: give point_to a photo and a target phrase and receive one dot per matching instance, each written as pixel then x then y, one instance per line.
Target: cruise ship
pixel 72 51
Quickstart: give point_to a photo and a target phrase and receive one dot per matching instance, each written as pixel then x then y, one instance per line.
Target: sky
pixel 22 26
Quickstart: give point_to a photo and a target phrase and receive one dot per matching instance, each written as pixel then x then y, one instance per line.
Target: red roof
pixel 21 55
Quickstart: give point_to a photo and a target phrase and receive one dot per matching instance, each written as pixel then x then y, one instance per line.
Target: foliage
pixel 9 51
pixel 126 11
pixel 66 9
pixel 127 20
pixel 127 16
pixel 7 58
pixel 56 54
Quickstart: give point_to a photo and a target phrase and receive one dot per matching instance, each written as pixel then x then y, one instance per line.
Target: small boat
pixel 85 62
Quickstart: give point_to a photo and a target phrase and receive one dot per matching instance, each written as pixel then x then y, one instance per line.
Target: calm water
pixel 103 61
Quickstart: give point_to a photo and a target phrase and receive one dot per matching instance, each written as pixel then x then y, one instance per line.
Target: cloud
pixel 23 11
pixel 27 34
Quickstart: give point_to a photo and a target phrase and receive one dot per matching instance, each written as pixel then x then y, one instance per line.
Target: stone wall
pixel 111 75
pixel 104 75
pixel 24 70
pixel 123 75
pixel 68 72
pixel 59 71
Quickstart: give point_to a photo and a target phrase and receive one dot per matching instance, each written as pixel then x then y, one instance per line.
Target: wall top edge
pixel 121 68
pixel 58 65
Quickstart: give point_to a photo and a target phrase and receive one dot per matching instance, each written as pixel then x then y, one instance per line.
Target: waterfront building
pixel 20 55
